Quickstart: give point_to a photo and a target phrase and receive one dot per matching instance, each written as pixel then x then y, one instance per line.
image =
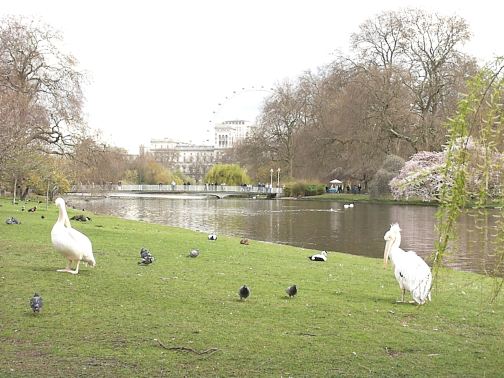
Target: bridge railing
pixel 203 188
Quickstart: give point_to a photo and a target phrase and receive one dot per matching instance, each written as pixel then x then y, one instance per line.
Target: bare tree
pixel 284 113
pixel 41 86
pixel 420 51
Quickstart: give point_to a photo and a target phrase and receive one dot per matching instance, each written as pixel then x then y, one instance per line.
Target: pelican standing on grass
pixel 72 244
pixel 410 270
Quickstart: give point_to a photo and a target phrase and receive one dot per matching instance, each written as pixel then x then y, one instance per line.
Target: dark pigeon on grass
pixel 80 218
pixel 32 209
pixel 291 291
pixel 194 253
pixel 146 256
pixel 12 220
pixel 244 292
pixel 36 303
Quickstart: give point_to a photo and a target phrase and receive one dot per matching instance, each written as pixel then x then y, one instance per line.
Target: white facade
pixel 229 133
pixel 196 160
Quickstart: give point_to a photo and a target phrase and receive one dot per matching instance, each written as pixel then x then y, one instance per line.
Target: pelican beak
pixel 386 253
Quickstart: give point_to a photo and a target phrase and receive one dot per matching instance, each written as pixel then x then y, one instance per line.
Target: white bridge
pixel 219 190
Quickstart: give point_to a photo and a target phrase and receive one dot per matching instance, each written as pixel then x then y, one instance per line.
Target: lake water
pixel 318 225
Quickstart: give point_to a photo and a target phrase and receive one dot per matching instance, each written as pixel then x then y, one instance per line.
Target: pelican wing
pixel 414 275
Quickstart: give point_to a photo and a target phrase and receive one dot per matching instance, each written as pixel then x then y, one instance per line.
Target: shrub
pixel 300 188
pixel 379 185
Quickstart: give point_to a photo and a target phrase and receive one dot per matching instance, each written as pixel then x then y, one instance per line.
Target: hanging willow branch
pixel 475 138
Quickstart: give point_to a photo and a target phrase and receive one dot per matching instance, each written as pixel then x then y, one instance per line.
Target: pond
pixel 318 225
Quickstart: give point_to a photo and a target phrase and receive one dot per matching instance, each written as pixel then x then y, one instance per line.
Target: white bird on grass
pixel 322 256
pixel 72 244
pixel 410 270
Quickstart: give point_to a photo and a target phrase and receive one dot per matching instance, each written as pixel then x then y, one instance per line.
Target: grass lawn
pixel 112 320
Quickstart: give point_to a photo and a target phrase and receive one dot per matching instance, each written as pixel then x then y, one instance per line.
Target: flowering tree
pixel 423 175
pixel 420 177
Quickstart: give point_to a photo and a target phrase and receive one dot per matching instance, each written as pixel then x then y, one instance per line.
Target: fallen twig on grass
pixel 208 352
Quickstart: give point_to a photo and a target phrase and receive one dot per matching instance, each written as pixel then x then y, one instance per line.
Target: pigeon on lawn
pixel 212 236
pixel 36 303
pixel 194 253
pixel 146 256
pixel 291 291
pixel 12 220
pixel 244 292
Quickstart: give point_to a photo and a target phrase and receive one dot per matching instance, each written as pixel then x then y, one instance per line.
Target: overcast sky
pixel 161 68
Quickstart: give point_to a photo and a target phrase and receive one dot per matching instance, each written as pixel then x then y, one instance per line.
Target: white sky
pixel 161 68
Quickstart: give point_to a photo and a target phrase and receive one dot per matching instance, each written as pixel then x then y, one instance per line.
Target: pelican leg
pixel 76 268
pixel 68 268
pixel 402 296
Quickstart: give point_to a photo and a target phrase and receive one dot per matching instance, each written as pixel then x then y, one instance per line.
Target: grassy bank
pixel 347 197
pixel 105 321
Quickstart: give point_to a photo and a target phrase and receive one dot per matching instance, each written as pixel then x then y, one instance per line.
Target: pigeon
pixel 212 236
pixel 80 218
pixel 291 291
pixel 244 241
pixel 12 220
pixel 194 253
pixel 244 292
pixel 36 303
pixel 32 209
pixel 146 256
pixel 322 256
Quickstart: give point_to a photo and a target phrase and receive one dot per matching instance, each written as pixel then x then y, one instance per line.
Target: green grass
pixel 343 322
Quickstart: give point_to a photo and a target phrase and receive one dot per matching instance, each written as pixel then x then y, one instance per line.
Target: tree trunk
pixel 47 195
pixel 14 191
pixel 24 194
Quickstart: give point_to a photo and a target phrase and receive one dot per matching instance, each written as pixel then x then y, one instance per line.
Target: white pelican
pixel 72 244
pixel 410 270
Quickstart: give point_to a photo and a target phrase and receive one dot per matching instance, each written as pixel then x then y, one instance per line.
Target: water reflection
pixel 310 224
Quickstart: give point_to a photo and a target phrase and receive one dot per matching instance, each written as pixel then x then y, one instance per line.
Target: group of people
pixel 354 189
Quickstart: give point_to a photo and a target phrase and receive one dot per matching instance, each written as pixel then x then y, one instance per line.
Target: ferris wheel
pixel 244 100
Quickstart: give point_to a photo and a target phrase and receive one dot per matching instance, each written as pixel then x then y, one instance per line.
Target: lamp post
pixel 278 178
pixel 271 178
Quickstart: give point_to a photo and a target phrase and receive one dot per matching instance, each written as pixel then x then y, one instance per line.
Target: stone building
pixel 195 160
